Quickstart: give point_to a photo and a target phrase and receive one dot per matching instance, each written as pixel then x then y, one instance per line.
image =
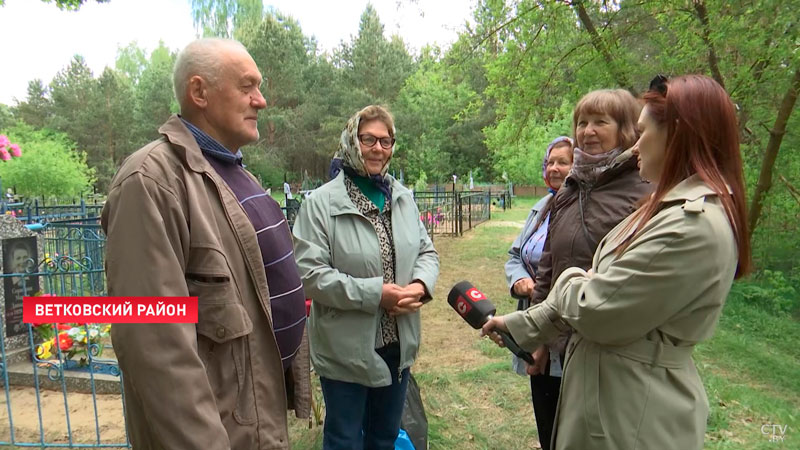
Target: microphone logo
pixel 462 306
pixel 475 294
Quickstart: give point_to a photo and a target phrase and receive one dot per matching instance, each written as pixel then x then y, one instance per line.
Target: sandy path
pixel 54 420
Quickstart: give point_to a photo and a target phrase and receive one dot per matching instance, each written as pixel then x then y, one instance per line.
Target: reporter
pixel 657 286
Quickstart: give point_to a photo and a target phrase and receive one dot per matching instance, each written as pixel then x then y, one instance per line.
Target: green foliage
pixel 221 18
pixel 432 111
pixel 7 119
pixel 131 61
pixel 489 103
pixel 265 166
pixel 154 96
pixel 372 63
pixel 521 157
pixel 67 5
pixel 50 166
pixel 772 291
pixel 422 182
pixel 37 107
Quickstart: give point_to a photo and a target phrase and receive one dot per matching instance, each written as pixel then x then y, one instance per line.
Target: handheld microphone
pixel 474 307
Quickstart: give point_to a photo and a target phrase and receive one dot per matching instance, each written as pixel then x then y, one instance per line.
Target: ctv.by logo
pixel 776 433
pixel 475 295
pixel 462 306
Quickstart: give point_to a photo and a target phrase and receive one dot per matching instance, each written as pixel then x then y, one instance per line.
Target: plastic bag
pixel 414 421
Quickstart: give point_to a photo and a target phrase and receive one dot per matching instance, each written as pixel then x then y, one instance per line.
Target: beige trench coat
pixel 629 379
pixel 175 229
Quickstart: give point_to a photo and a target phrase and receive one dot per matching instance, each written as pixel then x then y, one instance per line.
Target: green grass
pixel 751 367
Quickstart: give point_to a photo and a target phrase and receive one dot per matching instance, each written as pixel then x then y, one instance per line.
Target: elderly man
pixel 184 218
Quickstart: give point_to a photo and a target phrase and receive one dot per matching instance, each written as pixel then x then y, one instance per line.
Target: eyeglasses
pixel 659 84
pixel 370 140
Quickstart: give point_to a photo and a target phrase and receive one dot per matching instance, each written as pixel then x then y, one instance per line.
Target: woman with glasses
pixel 369 266
pixel 657 283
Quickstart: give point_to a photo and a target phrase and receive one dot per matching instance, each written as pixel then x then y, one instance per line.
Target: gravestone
pixel 22 252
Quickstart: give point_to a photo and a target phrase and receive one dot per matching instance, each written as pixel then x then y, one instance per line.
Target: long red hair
pixel 702 139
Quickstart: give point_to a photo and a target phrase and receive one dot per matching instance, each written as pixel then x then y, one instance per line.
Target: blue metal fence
pixel 48 365
pixel 36 211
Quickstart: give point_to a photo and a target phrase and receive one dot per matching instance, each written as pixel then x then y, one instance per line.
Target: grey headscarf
pixel 349 158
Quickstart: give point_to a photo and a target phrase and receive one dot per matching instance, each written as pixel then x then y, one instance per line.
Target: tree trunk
pixel 713 61
pixel 600 45
pixel 270 123
pixel 771 153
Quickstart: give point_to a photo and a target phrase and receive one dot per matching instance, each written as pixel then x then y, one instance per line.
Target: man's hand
pixel 523 287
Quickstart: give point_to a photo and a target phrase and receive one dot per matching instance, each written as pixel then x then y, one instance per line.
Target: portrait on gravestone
pixel 19 258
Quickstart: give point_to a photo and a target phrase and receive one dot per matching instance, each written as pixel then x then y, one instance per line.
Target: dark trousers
pixel 358 417
pixel 544 393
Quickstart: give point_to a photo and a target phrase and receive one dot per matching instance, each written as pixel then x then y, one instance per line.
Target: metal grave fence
pixel 446 212
pixel 61 384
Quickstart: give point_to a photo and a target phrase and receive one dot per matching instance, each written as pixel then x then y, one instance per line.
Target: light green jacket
pixel 629 379
pixel 339 258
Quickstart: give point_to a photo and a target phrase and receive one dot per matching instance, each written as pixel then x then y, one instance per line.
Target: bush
pixel 771 291
pixel 421 184
pixel 50 166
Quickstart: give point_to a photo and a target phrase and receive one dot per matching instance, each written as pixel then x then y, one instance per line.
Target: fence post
pixel 455 211
pixel 489 203
pixel 460 217
pixel 469 206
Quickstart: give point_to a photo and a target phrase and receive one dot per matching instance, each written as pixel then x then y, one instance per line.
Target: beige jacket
pixel 175 229
pixel 629 379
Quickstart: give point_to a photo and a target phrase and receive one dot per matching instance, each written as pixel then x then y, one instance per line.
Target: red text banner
pixel 109 309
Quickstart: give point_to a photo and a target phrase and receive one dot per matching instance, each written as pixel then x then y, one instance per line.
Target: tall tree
pixel 221 17
pixel 7 118
pixel 434 113
pixel 115 133
pixel 373 63
pixel 281 52
pixel 68 5
pixel 131 61
pixel 37 108
pixel 155 98
pixel 771 154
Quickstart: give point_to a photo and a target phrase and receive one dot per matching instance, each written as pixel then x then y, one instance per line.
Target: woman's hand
pixel 410 302
pixel 540 358
pixel 523 287
pixel 390 295
pixel 490 327
pixel 405 306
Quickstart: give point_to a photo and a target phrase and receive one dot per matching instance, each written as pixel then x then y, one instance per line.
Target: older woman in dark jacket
pixel 603 188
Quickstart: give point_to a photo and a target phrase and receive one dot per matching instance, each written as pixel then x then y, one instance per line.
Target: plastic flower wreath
pixel 73 339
